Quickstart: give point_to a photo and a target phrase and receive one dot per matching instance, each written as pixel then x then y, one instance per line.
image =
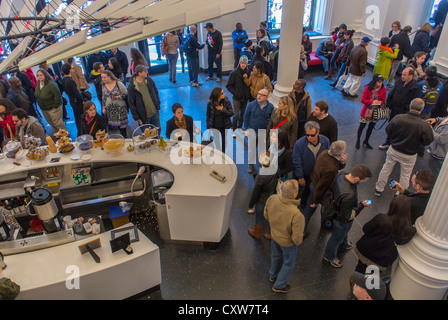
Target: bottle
pixel 15 206
pixel 22 207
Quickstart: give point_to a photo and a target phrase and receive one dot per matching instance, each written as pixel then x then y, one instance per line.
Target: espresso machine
pixel 45 208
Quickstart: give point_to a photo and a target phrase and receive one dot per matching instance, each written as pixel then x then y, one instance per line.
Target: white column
pixel 422 271
pixel 440 59
pixel 290 43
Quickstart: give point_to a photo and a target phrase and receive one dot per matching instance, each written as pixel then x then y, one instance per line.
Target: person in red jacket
pixel 6 122
pixel 374 96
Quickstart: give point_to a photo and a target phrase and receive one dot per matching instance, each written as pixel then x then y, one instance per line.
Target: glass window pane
pixel 275 14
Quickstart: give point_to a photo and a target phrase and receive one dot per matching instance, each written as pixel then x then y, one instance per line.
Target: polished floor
pixel 238 268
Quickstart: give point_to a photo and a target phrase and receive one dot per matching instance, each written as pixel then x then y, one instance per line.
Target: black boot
pixel 357 144
pixel 367 145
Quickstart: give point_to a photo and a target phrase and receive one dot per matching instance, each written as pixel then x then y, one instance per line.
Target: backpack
pixel 432 95
pixel 186 45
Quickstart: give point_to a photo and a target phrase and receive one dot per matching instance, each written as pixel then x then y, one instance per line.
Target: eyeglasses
pixel 417 173
pixel 311 135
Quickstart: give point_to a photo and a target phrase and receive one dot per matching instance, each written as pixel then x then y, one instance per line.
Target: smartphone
pixel 368 201
pixel 392 183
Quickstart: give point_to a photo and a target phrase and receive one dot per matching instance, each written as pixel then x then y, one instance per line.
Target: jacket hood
pixel 289 201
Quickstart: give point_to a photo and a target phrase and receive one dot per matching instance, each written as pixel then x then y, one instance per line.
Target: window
pixel 274 16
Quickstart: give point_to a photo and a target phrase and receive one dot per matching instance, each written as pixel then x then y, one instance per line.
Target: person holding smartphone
pixel 423 183
pixel 347 206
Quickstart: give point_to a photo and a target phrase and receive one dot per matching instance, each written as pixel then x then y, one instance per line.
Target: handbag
pixel 164 46
pixel 382 113
pixel 342 79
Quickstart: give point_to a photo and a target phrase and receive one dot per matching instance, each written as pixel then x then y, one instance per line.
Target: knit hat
pixel 248 43
pixel 244 60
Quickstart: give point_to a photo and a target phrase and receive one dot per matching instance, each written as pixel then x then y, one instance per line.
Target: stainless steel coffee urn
pixel 46 209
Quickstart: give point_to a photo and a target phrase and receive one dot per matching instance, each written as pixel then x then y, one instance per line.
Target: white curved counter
pixel 63 273
pixel 198 206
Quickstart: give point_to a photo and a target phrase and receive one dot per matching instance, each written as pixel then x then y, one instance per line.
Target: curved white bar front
pixel 198 206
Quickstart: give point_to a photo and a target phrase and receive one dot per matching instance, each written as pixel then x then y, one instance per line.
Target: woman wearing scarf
pixel 6 122
pixel 91 121
pixel 180 121
pixel 284 120
pixel 385 57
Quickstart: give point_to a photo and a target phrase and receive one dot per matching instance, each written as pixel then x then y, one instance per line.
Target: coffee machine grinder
pixel 46 209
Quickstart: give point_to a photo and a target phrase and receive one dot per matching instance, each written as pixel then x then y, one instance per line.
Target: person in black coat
pixel 239 91
pixel 141 81
pixel 122 60
pixel 91 120
pixel 422 40
pixel 193 56
pixel 180 121
pixel 219 112
pixel 402 39
pixel 73 93
pixel 382 234
pixel 259 56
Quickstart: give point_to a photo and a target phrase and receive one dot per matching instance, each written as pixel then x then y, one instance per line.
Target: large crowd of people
pixel 302 135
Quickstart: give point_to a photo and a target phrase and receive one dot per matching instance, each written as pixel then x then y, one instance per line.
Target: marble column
pixel 422 271
pixel 290 43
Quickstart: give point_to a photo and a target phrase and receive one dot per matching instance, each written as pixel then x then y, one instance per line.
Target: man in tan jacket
pixel 287 225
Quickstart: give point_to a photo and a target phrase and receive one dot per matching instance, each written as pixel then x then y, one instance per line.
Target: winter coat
pixel 421 42
pixel 135 99
pixel 226 113
pixel 383 62
pixel 358 60
pixel 236 86
pixel 256 118
pixel 286 221
pixel 256 82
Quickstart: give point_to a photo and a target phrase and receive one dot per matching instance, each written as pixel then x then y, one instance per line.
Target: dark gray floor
pixel 238 268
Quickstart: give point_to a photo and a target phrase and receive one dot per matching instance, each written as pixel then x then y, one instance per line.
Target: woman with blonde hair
pixel 284 120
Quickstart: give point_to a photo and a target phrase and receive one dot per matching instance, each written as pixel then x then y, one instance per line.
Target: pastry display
pixel 61 133
pixel 37 154
pixel 32 142
pixel 101 138
pixel 193 152
pixel 115 143
pixel 12 148
pixel 85 142
pixel 65 144
pixel 144 137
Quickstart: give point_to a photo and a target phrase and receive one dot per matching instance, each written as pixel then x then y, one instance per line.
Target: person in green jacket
pixel 385 57
pixel 49 99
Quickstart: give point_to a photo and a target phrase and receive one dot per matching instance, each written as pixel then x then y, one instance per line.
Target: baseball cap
pixel 208 25
pixel 366 39
pixel 140 68
pixel 374 292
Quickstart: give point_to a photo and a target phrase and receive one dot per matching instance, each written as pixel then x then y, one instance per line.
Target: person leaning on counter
pixel 91 120
pixel 180 121
pixel 27 125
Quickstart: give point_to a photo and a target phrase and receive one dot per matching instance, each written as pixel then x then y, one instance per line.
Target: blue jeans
pixel 154 120
pixel 341 72
pixel 283 260
pixel 193 68
pixel 338 237
pixel 218 61
pixel 325 62
pixel 309 211
pixel 172 63
pixel 259 214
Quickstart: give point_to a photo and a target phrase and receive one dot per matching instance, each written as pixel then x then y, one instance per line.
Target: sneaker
pixel 210 78
pixel 352 95
pixel 349 246
pixel 195 85
pixel 284 290
pixel 378 193
pixel 272 279
pixel 251 211
pixel 345 94
pixel 333 85
pixel 384 146
pixel 219 80
pixel 234 134
pixel 335 262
